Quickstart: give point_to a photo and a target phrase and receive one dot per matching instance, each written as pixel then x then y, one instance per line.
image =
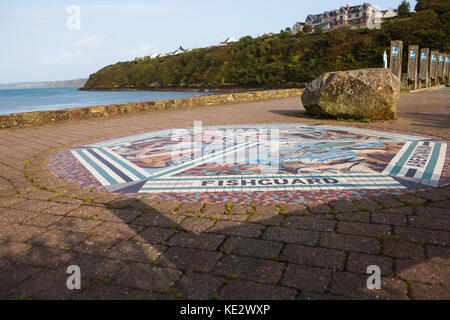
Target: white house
pixel 228 41
pixel 298 26
pixel 365 15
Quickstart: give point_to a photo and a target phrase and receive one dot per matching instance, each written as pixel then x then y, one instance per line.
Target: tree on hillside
pixel 307 29
pixel 404 9
pixel 440 6
pixel 319 30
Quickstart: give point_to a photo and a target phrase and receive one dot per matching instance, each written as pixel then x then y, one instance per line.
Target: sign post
pixel 413 58
pixel 424 79
pixel 441 68
pixel 434 68
pixel 447 68
pixel 396 58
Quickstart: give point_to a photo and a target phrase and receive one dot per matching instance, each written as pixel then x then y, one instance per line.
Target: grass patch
pixel 274 258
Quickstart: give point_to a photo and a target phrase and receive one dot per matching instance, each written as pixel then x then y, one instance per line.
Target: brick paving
pixel 137 249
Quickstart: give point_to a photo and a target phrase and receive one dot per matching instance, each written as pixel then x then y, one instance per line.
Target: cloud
pixel 131 9
pixel 91 42
pixel 64 57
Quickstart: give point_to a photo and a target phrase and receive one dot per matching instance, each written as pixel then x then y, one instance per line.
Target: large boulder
pixel 355 94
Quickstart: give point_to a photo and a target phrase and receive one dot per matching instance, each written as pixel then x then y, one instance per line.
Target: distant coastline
pixel 44 84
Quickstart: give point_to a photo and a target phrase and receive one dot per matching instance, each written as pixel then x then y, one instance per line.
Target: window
pixel 349 15
pixel 357 15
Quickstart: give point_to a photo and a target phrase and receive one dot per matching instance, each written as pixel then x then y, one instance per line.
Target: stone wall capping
pixel 38 118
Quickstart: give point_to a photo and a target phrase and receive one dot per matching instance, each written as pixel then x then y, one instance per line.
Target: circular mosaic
pixel 258 164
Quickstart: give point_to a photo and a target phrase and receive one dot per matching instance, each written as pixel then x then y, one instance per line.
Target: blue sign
pixel 441 59
pixel 424 56
pixel 433 58
pixel 395 51
pixel 413 54
pixel 447 60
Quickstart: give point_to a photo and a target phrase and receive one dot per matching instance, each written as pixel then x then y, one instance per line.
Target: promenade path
pixel 142 249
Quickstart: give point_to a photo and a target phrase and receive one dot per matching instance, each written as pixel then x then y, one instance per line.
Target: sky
pixel 40 40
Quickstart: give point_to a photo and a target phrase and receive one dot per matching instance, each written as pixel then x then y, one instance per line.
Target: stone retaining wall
pixel 43 117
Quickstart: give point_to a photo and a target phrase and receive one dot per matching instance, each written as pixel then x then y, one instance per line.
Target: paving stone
pixel 314 256
pixel 10 201
pixel 248 230
pixel 310 223
pixel 146 277
pixel 116 293
pixel 295 209
pixel 343 206
pixel 390 218
pixel 197 225
pixel 136 251
pixel 227 217
pixel 238 209
pixel 410 199
pixel 246 268
pixel 46 285
pixel 442 204
pixel 359 262
pixel 252 247
pixel 429 196
pixel 311 296
pixel 10 250
pixel 98 268
pixel 189 259
pixel 406 250
pixel 443 192
pixel 76 224
pixel 306 278
pixel 438 254
pixel 154 235
pixel 429 223
pixel 197 286
pixel 155 219
pixel 267 210
pixel 389 201
pixel 118 230
pixel 351 243
pixel 167 206
pixel 421 291
pixel 213 209
pixel 290 235
pixel 203 241
pixel 96 245
pixel 61 239
pixel 49 258
pixel 16 216
pixel 12 276
pixel 266 220
pixel 354 216
pixel 106 214
pixel 190 207
pixel 34 205
pixel 44 220
pixel 355 286
pixel 18 233
pixel 248 290
pixel 424 272
pixel 320 208
pixel 367 204
pixel 424 235
pixel 433 212
pixel 363 229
